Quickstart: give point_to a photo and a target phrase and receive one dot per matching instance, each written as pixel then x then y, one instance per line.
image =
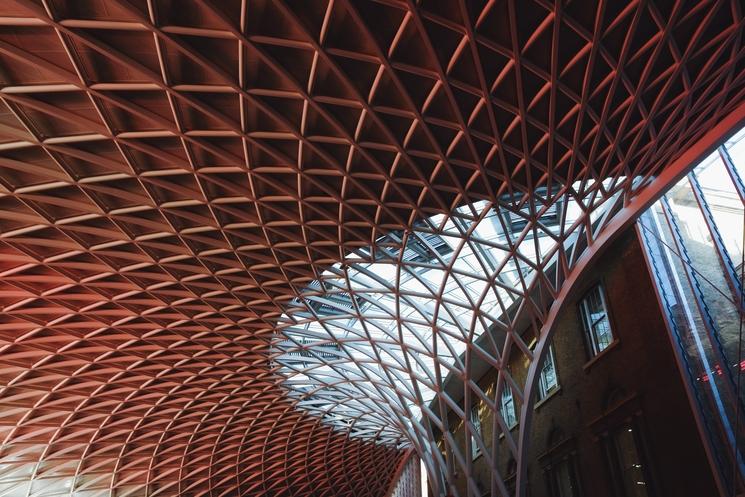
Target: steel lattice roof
pixel 175 177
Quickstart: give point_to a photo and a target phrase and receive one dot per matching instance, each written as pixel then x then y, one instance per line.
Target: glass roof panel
pixel 392 321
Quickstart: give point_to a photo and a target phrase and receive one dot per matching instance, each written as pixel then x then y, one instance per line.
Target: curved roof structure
pixel 249 247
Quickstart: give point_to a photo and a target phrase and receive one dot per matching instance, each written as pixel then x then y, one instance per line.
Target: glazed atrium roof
pixel 268 247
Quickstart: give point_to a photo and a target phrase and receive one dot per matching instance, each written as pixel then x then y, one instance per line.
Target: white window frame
pixel 507 406
pixel 476 421
pixel 544 388
pixel 591 326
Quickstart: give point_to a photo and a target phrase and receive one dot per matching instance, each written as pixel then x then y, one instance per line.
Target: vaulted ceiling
pixel 173 174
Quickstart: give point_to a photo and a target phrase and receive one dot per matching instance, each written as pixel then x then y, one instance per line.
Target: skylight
pixel 367 344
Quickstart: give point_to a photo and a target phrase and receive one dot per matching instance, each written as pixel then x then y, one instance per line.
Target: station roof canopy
pixel 177 179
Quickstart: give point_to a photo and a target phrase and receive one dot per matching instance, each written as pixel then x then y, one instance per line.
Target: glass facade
pixel 693 239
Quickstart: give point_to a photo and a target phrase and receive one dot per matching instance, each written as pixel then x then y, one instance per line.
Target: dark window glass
pixel 627 463
pixel 562 479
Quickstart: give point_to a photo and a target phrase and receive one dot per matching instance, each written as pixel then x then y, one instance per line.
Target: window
pixel 562 478
pixel 625 460
pixel 595 320
pixel 507 407
pixel 476 421
pixel 549 381
pixel 511 473
pixel 560 467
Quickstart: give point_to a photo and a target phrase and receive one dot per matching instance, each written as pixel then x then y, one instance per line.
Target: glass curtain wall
pixel 693 240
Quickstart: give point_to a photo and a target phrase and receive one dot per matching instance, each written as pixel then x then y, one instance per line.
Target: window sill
pixel 611 346
pixel 501 435
pixel 547 397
